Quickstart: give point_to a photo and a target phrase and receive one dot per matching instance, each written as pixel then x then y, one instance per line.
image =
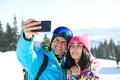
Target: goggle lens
pixel 61 30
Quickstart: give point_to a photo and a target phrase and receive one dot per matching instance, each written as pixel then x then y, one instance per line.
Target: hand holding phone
pixel 46 26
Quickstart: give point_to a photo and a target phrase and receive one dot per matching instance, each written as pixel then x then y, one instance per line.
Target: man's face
pixel 59 45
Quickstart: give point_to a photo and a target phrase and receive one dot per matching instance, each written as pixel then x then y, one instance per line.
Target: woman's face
pixel 76 50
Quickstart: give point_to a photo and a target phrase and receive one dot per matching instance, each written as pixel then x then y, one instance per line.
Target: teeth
pixel 58 48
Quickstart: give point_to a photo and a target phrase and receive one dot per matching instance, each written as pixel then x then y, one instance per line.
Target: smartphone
pixel 46 26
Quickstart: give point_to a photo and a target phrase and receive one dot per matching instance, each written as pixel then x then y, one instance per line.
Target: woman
pixel 80 64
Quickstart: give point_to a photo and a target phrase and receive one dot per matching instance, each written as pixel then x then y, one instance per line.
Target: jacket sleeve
pixel 95 70
pixel 91 72
pixel 25 52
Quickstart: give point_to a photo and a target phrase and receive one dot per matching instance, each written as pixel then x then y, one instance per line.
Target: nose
pixel 59 43
pixel 74 49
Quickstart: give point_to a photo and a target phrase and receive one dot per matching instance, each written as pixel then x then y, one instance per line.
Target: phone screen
pixel 46 27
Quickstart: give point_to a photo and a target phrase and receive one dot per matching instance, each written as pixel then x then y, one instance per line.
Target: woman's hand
pixel 75 70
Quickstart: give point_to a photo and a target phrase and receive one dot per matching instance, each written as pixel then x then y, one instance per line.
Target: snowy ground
pixel 109 70
pixel 11 69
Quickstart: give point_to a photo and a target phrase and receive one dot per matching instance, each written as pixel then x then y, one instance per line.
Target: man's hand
pixel 30 25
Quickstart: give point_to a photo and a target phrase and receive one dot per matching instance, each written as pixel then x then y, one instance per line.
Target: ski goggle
pixel 63 31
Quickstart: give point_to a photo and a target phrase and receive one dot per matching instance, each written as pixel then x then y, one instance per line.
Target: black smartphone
pixel 46 26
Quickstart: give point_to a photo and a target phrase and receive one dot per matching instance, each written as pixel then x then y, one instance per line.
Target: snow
pixel 109 70
pixel 11 69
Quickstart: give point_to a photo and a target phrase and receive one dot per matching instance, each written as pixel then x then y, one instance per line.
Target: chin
pixel 58 53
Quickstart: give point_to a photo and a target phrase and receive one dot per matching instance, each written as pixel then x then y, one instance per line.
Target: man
pixel 117 61
pixel 32 60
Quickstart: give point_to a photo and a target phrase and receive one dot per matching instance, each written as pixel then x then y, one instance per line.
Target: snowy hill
pixel 11 69
pixel 100 34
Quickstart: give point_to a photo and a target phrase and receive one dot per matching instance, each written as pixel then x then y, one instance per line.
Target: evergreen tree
pixel 1 37
pixel 105 48
pixel 101 51
pixel 22 22
pixel 15 24
pixel 14 33
pixel 93 51
pixel 111 49
pixel 106 51
pixel 8 38
pixel 46 40
pixel 1 32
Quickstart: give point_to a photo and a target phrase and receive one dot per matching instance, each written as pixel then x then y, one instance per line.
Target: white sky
pixel 76 14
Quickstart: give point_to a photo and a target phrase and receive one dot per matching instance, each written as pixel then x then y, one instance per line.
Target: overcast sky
pixel 76 14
